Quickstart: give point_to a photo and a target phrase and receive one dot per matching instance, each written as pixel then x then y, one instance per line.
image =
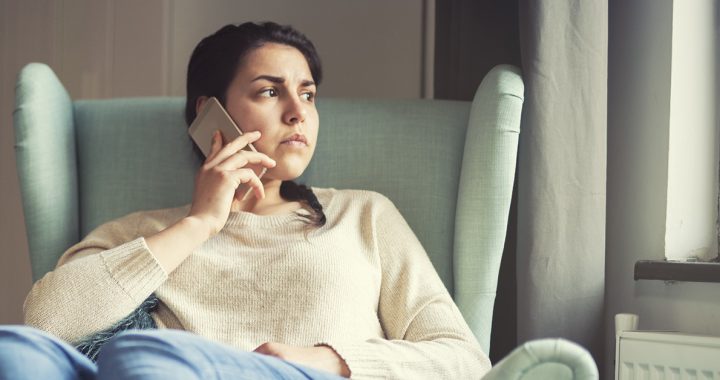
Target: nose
pixel 295 112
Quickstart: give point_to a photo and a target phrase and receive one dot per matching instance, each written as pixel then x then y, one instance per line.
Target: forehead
pixel 275 59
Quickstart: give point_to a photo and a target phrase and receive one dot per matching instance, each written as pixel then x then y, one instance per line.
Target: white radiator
pixel 646 355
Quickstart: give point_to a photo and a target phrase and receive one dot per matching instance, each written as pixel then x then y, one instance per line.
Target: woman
pixel 294 283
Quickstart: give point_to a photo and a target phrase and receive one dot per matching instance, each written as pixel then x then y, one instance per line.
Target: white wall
pixel 105 48
pixel 692 160
pixel 645 191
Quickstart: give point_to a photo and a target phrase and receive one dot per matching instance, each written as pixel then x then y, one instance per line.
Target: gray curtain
pixel 562 171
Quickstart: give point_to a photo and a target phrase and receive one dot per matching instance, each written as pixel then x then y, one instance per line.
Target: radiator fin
pixel 667 356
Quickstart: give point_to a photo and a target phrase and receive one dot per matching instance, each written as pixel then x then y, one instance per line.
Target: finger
pixel 234 146
pixel 243 158
pixel 262 349
pixel 248 177
pixel 215 145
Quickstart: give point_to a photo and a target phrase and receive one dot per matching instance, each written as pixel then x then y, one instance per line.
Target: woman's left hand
pixel 322 357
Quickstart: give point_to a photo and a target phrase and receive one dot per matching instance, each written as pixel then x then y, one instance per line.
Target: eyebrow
pixel 280 80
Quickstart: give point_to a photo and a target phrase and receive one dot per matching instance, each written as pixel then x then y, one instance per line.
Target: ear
pixel 200 103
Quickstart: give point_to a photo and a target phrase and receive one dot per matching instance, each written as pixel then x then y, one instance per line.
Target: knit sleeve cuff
pixel 134 268
pixel 363 362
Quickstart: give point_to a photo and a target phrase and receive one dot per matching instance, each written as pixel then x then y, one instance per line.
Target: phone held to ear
pixel 213 117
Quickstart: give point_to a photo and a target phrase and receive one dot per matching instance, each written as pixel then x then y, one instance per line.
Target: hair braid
pixel 291 191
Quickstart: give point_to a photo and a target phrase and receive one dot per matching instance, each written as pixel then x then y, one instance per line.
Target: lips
pixel 295 138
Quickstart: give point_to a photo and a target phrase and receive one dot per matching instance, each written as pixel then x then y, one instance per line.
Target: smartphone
pixel 213 117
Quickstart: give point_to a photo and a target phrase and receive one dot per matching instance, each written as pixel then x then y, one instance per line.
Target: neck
pixel 252 204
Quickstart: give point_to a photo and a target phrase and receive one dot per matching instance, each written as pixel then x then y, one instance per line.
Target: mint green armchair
pixel 447 165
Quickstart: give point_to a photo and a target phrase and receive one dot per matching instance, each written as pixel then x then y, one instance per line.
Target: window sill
pixel 677 271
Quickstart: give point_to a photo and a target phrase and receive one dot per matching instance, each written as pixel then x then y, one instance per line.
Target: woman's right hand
pixel 224 170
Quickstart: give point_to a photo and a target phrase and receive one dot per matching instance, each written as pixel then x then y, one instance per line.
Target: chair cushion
pixel 133 154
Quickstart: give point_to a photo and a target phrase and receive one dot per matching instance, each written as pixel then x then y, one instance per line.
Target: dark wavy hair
pixel 213 65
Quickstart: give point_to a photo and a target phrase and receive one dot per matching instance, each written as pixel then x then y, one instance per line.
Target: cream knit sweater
pixel 362 284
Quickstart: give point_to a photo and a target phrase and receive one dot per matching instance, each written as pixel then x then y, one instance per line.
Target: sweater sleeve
pixel 427 337
pixel 96 282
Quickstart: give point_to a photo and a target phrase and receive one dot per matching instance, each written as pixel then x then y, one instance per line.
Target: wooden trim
pixel 677 271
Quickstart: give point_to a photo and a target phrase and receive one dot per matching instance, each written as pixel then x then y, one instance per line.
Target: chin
pixel 288 174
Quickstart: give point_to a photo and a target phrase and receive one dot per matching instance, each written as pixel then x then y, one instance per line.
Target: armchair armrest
pixel 556 359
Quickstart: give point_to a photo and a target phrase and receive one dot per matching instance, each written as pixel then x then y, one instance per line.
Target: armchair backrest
pixel 447 165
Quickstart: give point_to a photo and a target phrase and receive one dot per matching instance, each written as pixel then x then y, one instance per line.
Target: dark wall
pixel 471 37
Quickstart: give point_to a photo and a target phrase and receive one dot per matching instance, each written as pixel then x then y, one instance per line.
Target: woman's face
pixel 273 92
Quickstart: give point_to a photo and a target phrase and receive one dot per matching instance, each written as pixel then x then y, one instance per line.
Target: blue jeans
pixel 29 353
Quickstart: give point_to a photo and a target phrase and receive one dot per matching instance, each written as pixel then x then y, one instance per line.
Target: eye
pixel 271 92
pixel 309 96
